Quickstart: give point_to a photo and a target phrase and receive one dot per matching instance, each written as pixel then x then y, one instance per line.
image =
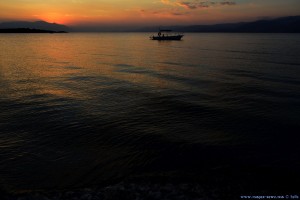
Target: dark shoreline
pixel 144 191
pixel 219 184
pixel 28 30
pixel 126 191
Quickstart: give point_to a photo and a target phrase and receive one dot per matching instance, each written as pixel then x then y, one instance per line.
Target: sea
pixel 79 110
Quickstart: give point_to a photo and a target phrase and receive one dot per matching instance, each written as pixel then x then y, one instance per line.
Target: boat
pixel 166 35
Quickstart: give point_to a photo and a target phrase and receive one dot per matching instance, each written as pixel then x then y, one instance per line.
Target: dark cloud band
pixel 194 4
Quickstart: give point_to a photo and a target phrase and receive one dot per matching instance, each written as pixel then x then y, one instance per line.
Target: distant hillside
pixel 27 30
pixel 279 25
pixel 41 25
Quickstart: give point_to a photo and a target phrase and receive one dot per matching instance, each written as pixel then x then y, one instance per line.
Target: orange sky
pixel 144 12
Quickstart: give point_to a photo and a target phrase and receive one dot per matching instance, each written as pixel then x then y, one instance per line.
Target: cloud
pixel 167 2
pixel 188 5
pixel 174 12
pixel 194 4
pixel 179 13
pixel 229 3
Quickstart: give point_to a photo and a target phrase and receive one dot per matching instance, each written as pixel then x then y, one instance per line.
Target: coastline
pixel 28 30
pixel 219 184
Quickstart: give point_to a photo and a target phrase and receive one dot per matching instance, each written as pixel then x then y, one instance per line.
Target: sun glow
pixel 55 18
pixel 146 12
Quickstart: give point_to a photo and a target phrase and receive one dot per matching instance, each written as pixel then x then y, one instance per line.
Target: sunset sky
pixel 144 12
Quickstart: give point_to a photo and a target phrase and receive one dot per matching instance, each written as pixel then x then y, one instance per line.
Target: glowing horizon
pixel 146 12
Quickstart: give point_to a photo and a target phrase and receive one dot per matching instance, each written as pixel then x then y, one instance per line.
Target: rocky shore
pixel 128 191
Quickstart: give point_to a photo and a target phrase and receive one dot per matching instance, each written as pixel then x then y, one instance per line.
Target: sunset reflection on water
pixel 82 109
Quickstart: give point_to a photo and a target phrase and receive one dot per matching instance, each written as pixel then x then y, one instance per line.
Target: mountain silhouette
pixel 280 25
pixel 289 24
pixel 40 25
pixel 28 30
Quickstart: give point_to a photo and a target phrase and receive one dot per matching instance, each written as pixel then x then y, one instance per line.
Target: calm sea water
pixel 84 109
